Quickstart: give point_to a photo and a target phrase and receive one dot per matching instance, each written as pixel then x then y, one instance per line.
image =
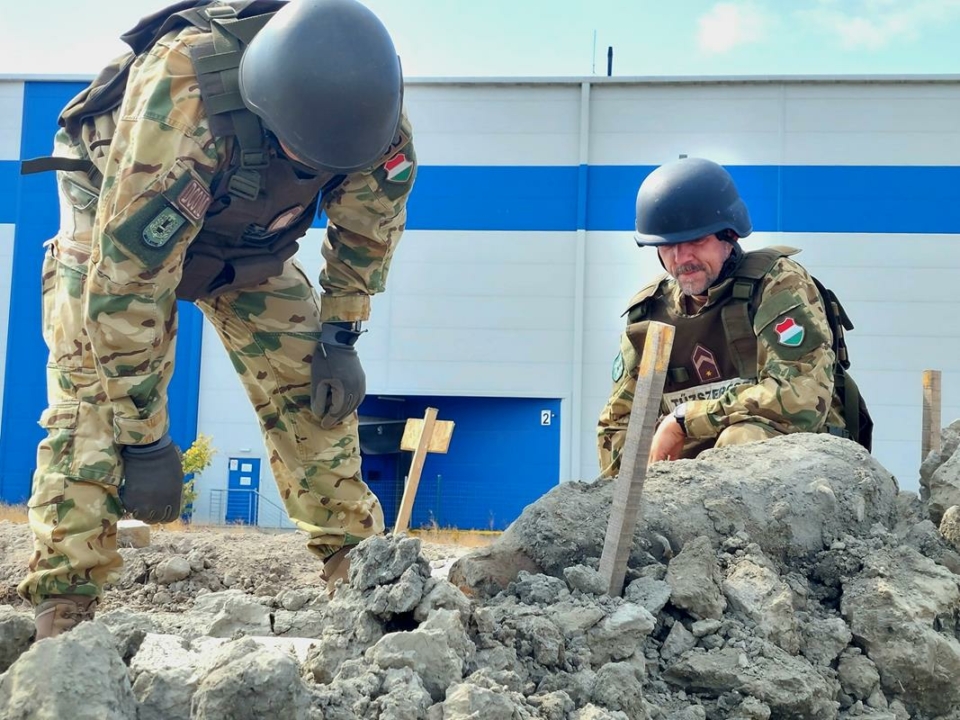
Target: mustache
pixel 689 268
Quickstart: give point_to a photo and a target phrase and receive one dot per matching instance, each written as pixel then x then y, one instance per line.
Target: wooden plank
pixel 644 412
pixel 930 421
pixel 416 467
pixel 439 441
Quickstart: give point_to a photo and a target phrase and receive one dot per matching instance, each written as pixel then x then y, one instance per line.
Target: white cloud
pixel 729 24
pixel 875 24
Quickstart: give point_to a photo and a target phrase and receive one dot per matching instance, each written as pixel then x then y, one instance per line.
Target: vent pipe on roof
pixel 609 60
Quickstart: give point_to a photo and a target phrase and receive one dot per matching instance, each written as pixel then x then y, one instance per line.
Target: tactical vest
pixel 716 349
pixel 262 204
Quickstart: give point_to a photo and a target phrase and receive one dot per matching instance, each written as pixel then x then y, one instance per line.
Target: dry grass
pixel 13 513
pixel 430 533
pixel 456 536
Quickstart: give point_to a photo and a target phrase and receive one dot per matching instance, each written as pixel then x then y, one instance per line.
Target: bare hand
pixel 667 441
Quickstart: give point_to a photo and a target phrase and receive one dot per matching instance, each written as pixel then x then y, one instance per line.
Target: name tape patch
pixel 710 391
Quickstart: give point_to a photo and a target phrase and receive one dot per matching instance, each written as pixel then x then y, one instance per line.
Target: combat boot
pixel 58 613
pixel 336 568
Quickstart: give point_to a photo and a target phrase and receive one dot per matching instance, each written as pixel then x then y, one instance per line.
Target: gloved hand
pixel 152 481
pixel 339 383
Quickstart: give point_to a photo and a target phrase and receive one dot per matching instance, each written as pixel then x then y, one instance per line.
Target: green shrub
pixel 195 460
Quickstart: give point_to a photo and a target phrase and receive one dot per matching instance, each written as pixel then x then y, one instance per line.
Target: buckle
pixel 220 12
pixel 742 290
pixel 245 184
pixel 254 159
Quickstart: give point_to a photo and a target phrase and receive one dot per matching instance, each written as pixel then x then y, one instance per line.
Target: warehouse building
pixel 504 302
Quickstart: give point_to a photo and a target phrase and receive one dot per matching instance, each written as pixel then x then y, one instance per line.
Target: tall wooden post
pixel 633 463
pixel 930 421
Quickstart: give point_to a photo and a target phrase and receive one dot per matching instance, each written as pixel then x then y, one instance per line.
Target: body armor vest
pixel 262 203
pixel 716 349
pixel 718 343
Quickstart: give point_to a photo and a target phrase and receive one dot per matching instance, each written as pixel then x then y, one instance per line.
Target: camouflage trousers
pixel 269 331
pixel 737 434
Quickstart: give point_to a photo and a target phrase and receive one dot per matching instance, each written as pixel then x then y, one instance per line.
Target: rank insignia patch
pixel 163 227
pixel 789 332
pixel 705 364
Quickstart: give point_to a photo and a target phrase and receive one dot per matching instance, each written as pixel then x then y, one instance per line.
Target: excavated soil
pixel 785 579
pixel 257 562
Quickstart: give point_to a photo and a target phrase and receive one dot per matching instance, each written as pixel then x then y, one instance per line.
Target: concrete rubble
pixel 784 579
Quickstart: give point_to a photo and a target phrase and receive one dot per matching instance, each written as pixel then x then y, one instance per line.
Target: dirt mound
pixel 807 587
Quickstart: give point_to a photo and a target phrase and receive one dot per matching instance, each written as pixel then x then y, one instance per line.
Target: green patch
pixel 163 228
pixel 617 367
pixel 152 232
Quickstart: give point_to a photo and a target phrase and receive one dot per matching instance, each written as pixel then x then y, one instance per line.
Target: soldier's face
pixel 695 265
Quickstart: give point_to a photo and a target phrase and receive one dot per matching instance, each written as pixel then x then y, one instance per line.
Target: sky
pixel 563 38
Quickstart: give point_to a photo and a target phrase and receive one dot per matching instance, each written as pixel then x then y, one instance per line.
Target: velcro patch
pixel 617 370
pixel 193 201
pixel 399 168
pixel 159 231
pixel 401 139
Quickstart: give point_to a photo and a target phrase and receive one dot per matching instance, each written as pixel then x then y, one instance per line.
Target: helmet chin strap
pixel 730 264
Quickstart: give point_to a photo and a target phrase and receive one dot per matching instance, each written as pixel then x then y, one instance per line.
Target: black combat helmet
pixel 686 200
pixel 324 77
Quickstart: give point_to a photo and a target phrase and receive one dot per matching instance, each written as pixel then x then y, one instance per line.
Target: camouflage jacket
pixel 794 387
pixel 158 155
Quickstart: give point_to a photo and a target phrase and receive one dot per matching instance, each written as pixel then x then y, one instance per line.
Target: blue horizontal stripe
pixel 494 198
pixel 787 198
pixel 9 185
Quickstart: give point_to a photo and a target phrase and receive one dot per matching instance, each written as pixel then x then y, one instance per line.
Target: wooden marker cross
pixel 625 509
pixel 421 436
pixel 930 421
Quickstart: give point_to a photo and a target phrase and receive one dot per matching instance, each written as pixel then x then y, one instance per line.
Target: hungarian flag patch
pixel 789 332
pixel 399 168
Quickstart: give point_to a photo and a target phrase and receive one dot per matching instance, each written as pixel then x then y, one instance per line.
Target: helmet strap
pixel 730 264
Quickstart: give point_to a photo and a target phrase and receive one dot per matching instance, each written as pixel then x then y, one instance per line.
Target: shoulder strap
pixel 235 22
pixel 737 313
pixel 637 307
pixel 217 63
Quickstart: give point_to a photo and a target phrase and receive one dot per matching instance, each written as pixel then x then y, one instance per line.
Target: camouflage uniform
pixel 110 322
pixel 793 390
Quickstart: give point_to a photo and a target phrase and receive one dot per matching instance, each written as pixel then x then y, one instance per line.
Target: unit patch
pixel 193 201
pixel 705 364
pixel 789 332
pixel 617 367
pixel 399 168
pixel 159 231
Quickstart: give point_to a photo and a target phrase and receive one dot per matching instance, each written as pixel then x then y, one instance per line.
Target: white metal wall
pixel 536 313
pixel 898 288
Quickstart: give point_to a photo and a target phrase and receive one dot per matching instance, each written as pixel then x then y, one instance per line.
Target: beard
pixel 691 285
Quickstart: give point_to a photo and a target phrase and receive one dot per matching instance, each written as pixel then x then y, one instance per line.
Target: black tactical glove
pixel 152 481
pixel 339 383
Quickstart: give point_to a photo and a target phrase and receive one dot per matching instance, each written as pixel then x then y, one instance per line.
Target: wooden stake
pixel 416 467
pixel 633 463
pixel 930 421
